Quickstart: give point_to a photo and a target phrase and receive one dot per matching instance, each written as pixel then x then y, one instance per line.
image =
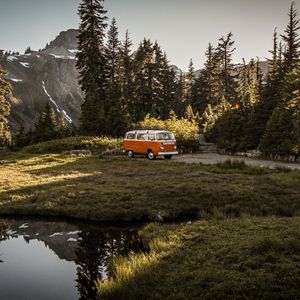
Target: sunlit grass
pixel 111 189
pixel 245 258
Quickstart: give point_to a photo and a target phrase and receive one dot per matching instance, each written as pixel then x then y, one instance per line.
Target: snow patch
pixel 57 56
pixel 25 65
pixel 10 232
pixel 63 57
pixel 73 50
pixel 68 119
pixel 72 240
pixel 23 226
pixel 11 58
pixel 73 232
pixel 56 234
pixel 46 92
pixel 15 79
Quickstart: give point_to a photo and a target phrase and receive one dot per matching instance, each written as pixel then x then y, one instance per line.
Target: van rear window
pixel 165 136
pixel 131 136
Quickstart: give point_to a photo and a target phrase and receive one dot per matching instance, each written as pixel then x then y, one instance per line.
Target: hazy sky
pixel 182 27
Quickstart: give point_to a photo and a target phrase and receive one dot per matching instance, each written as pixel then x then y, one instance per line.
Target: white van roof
pixel 147 131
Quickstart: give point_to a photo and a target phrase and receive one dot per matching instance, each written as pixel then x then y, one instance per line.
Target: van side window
pixel 141 136
pixel 131 136
pixel 151 137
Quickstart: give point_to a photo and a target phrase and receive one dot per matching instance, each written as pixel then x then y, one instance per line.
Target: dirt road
pixel 213 158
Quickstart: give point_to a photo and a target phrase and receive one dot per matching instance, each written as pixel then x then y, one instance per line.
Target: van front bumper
pixel 167 153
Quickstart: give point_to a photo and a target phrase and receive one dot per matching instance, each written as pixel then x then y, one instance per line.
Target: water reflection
pixel 59 260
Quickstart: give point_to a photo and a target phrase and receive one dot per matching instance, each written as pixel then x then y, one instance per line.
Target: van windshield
pixel 165 136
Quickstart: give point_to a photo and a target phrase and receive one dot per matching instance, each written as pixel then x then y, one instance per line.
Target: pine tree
pixel 272 92
pixel 46 126
pixel 291 39
pixel 91 65
pixel 116 114
pixel 158 88
pixel 278 138
pixel 251 84
pixel 5 93
pixel 27 50
pixel 144 78
pixel 169 85
pixel 190 80
pixel 206 89
pixel 127 83
pixel 228 77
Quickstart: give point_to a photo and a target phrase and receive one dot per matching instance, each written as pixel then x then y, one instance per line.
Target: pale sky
pixel 182 27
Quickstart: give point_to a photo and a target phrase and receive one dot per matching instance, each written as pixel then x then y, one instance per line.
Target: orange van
pixel 152 143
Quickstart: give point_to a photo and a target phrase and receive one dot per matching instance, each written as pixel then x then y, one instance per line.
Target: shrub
pixel 186 130
pixel 95 144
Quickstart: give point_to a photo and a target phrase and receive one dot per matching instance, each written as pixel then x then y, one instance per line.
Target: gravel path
pixel 213 158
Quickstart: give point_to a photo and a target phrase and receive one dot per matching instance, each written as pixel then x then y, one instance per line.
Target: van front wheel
pixel 150 155
pixel 168 156
pixel 130 154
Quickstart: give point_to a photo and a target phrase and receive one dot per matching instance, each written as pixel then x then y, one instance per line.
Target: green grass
pixel 243 258
pixel 245 247
pixel 112 189
pixel 96 144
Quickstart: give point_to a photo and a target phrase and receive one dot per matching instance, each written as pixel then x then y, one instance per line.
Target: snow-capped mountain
pixel 47 76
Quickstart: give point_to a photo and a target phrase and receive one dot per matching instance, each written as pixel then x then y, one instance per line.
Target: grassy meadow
pixel 243 241
pixel 241 258
pixel 118 189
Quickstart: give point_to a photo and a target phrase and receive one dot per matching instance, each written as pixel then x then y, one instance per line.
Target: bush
pixel 186 130
pixel 95 144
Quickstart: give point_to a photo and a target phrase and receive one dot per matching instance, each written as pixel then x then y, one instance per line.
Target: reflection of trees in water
pixel 94 253
pixel 3 228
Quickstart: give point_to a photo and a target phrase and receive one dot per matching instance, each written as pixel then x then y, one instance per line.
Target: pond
pixel 48 259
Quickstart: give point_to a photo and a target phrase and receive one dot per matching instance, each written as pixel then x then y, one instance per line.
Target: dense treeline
pixel 249 111
pixel 239 107
pixel 122 87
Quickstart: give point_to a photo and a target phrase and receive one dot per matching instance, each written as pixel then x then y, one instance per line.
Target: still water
pixel 59 260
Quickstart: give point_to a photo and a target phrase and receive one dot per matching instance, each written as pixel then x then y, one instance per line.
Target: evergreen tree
pixel 144 79
pixel 127 83
pixel 278 138
pixel 169 85
pixel 46 126
pixel 272 92
pixel 228 76
pixel 27 50
pixel 291 39
pixel 190 80
pixel 179 106
pixel 117 116
pixel 91 65
pixel 251 84
pixel 5 93
pixel 206 88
